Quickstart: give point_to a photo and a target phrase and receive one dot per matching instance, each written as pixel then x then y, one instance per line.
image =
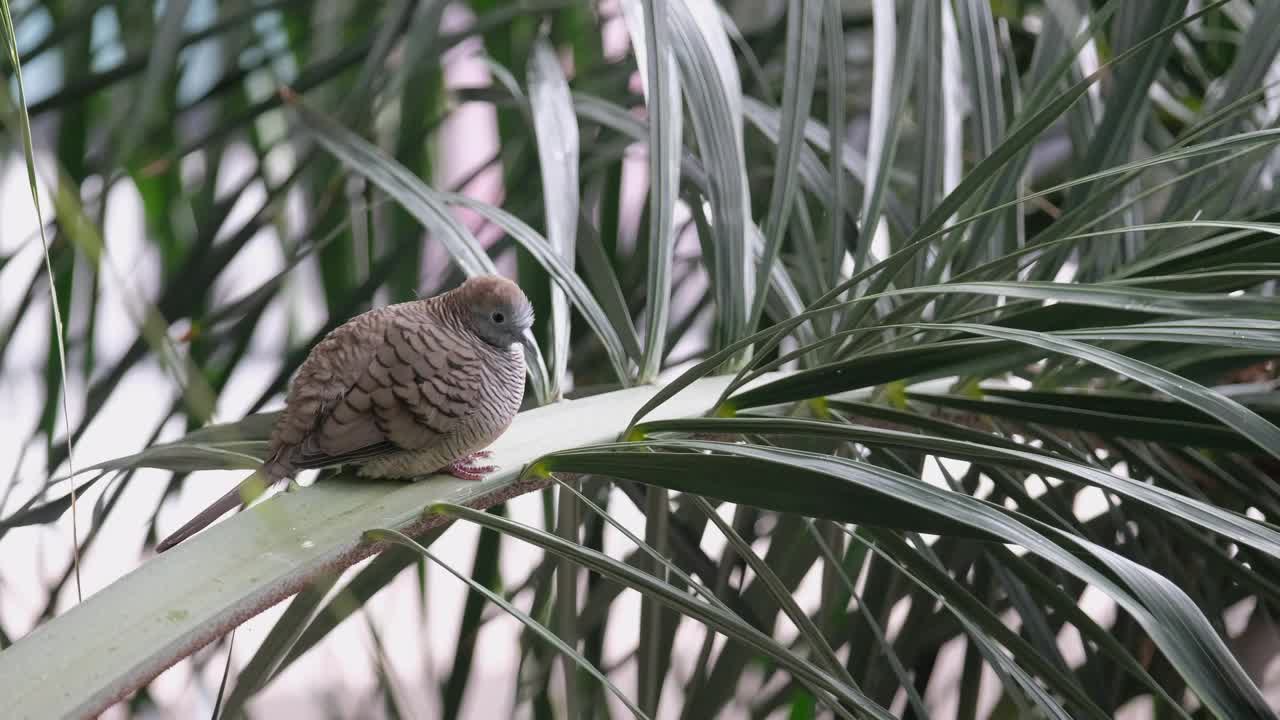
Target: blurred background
pixel 204 241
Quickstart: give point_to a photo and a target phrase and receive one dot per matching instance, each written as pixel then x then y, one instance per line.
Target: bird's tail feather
pixel 246 491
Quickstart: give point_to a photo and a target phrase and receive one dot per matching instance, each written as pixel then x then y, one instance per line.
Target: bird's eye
pixel 498 318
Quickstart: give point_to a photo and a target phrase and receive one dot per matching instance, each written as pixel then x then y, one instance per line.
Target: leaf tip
pixel 726 410
pixel 818 406
pixel 896 393
pixel 540 469
pixel 440 508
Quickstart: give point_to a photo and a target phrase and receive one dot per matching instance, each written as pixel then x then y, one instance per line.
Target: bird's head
pixel 497 311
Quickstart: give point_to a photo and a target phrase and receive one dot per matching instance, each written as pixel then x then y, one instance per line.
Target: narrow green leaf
pixel 579 294
pixel 807 492
pixel 1111 143
pixel 729 625
pixel 1050 592
pixel 652 658
pixel 414 196
pixel 1018 139
pixel 1010 672
pixel 888 98
pixel 809 630
pixel 834 43
pixel 709 79
pixel 658 73
pixel 266 660
pixel 799 76
pixel 833 378
pixel 566 605
pixel 28 151
pixel 1124 403
pixel 485 572
pixel 351 598
pixel 1229 412
pixel 1154 429
pixel 980 56
pixel 1165 302
pixel 882 642
pixel 1177 627
pixel 787 480
pixel 148 100
pixel 1223 522
pixel 599 275
pixel 401 539
pixel 556 129
pixel 667 565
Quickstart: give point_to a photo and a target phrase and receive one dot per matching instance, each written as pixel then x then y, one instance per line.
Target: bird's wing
pixel 382 382
pixel 420 381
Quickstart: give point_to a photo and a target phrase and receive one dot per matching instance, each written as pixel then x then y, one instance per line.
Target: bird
pixel 400 391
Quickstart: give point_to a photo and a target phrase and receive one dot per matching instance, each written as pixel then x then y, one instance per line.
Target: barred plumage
pixel 402 391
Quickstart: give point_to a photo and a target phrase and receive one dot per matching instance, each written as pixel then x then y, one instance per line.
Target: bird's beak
pixel 530 345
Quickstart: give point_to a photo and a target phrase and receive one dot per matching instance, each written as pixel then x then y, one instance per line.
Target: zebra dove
pixel 401 391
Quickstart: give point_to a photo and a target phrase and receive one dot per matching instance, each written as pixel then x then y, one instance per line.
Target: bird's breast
pixel 496 400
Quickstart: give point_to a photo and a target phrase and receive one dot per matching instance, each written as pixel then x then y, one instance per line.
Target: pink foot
pixel 466 468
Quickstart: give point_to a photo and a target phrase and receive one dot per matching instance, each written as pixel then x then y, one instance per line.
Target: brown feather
pixel 403 390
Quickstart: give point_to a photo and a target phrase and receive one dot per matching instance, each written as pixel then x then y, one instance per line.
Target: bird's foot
pixel 466 468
